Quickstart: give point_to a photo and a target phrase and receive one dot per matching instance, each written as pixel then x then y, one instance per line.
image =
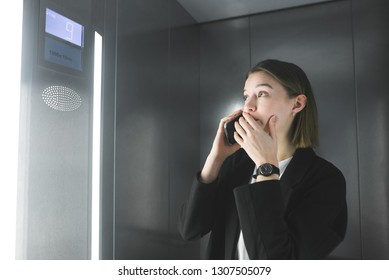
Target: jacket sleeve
pixel 197 213
pixel 311 230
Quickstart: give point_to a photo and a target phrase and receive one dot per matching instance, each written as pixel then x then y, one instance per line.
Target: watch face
pixel 266 169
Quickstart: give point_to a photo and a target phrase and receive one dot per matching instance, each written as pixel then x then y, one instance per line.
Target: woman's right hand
pixel 220 148
pixel 219 152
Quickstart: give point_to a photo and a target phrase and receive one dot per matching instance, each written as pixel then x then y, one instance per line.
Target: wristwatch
pixel 266 170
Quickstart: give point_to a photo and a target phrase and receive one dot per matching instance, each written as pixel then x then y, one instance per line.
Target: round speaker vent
pixel 61 98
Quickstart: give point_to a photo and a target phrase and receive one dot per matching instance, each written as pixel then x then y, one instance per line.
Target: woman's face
pixel 264 96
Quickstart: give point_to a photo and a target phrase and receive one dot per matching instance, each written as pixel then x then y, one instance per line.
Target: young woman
pixel 269 196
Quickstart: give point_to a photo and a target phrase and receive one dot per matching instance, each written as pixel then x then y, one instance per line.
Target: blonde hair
pixel 304 129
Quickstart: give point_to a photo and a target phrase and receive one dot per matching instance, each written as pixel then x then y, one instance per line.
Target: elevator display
pixel 63 41
pixel 64 28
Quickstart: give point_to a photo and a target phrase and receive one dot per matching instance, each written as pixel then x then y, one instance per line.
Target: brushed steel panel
pixel 184 125
pixel 211 10
pixel 225 59
pixel 141 174
pixel 371 62
pixel 108 132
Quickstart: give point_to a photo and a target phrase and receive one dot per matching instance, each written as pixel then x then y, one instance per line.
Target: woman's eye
pixel 245 97
pixel 262 94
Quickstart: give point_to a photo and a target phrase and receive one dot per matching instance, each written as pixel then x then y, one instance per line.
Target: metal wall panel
pixel 318 38
pixel 108 111
pixel 225 59
pixel 371 20
pixel 184 125
pixel 141 159
pixel 157 128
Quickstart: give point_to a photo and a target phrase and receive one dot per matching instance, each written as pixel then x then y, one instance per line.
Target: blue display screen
pixel 64 28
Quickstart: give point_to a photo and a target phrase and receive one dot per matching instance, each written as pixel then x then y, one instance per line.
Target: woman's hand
pixel 259 144
pixel 219 152
pixel 220 148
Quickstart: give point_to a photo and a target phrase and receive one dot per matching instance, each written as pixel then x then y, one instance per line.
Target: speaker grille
pixel 61 98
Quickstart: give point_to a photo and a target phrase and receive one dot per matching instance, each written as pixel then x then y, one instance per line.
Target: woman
pixel 269 196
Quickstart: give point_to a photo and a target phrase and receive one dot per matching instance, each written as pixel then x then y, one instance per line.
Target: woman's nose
pixel 250 105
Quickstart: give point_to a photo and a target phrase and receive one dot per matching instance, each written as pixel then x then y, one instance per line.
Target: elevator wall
pixel 342 48
pixel 371 43
pixel 155 139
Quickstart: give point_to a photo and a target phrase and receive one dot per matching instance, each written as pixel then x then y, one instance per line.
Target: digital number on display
pixel 64 28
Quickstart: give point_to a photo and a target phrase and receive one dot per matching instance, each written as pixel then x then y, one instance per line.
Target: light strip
pixel 11 50
pixel 95 236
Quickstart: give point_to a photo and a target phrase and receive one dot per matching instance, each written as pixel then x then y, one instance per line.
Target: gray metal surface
pixel 371 62
pixel 225 59
pixel 108 132
pixel 141 159
pixel 211 10
pixel 184 126
pixel 156 128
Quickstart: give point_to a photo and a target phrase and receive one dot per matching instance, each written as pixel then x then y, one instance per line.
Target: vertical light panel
pixel 11 50
pixel 95 247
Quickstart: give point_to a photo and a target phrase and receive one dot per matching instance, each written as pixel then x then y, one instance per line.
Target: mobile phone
pixel 229 128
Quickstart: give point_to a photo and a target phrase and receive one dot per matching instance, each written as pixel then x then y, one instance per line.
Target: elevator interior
pixel 171 69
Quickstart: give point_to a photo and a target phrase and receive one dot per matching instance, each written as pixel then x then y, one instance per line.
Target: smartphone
pixel 229 128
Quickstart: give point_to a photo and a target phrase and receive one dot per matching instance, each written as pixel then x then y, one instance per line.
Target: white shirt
pixel 242 252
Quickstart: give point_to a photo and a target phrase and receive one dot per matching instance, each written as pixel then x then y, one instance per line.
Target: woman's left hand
pixel 261 146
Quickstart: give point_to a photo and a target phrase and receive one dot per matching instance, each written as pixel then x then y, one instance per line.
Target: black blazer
pixel 301 216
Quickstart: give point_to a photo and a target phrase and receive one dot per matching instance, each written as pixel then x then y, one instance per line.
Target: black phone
pixel 229 128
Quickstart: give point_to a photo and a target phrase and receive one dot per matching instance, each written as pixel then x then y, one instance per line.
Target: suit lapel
pixel 243 168
pixel 298 167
